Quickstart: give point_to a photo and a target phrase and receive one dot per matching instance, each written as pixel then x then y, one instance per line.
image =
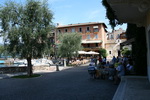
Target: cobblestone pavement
pixel 69 84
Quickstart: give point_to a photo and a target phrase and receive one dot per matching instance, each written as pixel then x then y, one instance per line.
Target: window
pixel 59 31
pixel 88 45
pixel 80 29
pixel 112 36
pixel 95 29
pixel 109 52
pixel 96 44
pixel 88 29
pixel 96 36
pixel 66 30
pixel 88 36
pixel 118 36
pixel 73 29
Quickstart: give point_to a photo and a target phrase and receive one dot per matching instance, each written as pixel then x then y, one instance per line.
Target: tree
pixel 70 44
pixel 103 52
pixel 110 14
pixel 126 52
pixel 2 50
pixel 26 28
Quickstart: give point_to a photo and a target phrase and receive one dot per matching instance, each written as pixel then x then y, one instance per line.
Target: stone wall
pixel 4 70
pixel 46 68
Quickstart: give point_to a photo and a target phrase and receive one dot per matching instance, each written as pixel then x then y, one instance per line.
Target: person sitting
pixel 112 72
pixel 129 68
pixel 120 72
pixel 92 70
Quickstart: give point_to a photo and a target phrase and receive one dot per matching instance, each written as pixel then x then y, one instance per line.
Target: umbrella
pixel 92 52
pixel 82 52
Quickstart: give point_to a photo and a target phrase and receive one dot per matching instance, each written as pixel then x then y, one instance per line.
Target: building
pixel 112 42
pixel 93 34
pixel 135 12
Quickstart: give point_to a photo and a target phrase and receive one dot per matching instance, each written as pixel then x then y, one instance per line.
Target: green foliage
pixel 26 28
pixel 2 49
pixel 126 52
pixel 110 14
pixel 69 44
pixel 116 65
pixel 103 52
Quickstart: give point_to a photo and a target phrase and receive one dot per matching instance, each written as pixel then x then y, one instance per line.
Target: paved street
pixel 69 84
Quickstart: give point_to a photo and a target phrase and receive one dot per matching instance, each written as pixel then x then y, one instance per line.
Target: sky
pixel 76 11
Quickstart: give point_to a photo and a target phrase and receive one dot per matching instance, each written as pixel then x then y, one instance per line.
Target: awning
pixel 128 42
pixel 93 41
pixel 82 52
pixel 92 52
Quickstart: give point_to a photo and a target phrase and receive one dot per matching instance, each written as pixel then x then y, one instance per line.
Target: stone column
pixel 148 43
pixel 148 51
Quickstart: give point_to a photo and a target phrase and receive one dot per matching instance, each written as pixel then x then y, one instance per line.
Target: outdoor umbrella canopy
pixel 92 52
pixel 82 52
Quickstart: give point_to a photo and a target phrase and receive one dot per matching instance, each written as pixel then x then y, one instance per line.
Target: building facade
pixel 93 34
pixel 135 12
pixel 112 42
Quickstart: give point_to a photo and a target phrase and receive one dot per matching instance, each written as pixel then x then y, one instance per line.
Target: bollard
pixel 64 62
pixel 57 67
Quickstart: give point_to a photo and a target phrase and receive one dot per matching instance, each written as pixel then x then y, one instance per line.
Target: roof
pixel 130 11
pixel 127 42
pixel 81 24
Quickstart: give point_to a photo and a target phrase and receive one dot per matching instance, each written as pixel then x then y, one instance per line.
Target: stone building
pixel 93 34
pixel 135 12
pixel 112 42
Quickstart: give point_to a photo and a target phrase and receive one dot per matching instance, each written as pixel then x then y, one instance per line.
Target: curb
pixel 119 94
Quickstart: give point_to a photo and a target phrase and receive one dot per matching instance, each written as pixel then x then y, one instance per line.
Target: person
pixel 107 64
pixel 120 72
pixel 92 59
pixel 104 61
pixel 114 60
pixel 92 70
pixel 95 60
pixel 129 68
pixel 112 72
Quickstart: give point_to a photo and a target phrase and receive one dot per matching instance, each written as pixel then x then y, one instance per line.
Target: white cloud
pixel 94 14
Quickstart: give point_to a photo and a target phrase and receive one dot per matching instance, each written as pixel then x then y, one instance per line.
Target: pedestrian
pixel 114 60
pixel 129 68
pixel 104 61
